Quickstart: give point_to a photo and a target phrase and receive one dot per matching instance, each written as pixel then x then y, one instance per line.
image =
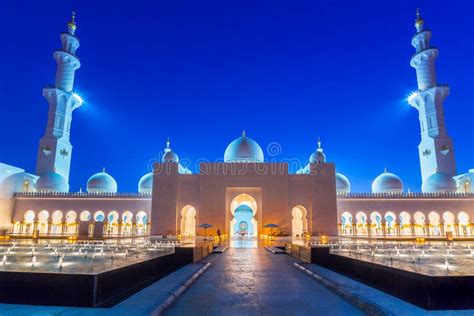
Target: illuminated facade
pixel 243 194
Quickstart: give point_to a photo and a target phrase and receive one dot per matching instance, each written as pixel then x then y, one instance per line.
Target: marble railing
pixel 405 195
pixel 83 195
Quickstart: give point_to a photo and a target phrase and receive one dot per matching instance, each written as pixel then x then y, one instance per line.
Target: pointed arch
pixel 243 208
pixel 299 222
pixel 188 221
pixel 405 223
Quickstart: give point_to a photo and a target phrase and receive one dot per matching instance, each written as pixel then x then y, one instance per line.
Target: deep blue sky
pixel 201 71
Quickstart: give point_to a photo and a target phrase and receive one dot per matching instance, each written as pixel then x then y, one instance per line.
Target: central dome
pixel 101 182
pixel 387 182
pixel 243 149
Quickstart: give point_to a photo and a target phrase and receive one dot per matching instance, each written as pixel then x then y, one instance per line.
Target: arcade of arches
pixel 58 223
pixel 387 224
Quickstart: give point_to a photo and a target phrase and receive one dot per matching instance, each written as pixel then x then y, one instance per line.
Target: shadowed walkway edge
pixel 172 298
pixel 368 307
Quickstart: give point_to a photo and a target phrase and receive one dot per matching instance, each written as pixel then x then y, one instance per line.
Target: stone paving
pixel 253 281
pixel 390 304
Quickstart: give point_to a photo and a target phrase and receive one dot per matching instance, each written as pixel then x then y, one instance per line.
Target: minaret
pixel 54 154
pixel 436 147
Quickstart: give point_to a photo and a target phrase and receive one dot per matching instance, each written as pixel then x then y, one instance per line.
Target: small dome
pixel 101 182
pixel 342 184
pixel 145 184
pixel 439 182
pixel 52 182
pixel 169 155
pixel 243 149
pixel 387 182
pixel 318 156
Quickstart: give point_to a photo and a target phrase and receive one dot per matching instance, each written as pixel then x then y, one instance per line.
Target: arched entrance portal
pixel 243 223
pixel 299 222
pixel 243 216
pixel 188 221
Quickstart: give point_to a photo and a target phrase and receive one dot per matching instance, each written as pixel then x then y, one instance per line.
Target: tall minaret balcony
pixel 436 150
pixel 55 149
pixel 66 59
pixel 424 59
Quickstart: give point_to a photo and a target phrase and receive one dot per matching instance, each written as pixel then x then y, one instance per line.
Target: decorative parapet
pixel 82 195
pixel 408 195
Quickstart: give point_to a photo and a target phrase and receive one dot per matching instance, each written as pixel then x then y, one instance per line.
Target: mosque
pixel 244 194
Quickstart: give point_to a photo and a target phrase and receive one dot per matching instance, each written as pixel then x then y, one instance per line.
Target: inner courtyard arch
pixel 188 221
pixel 243 208
pixel 299 222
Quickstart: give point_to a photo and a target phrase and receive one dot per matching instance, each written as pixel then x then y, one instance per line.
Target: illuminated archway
pixel 99 216
pixel 43 217
pixel 71 221
pixel 127 223
pixel 85 216
pixel 376 226
pixel 243 208
pixel 420 223
pixel 142 222
pixel 299 222
pixel 448 218
pixel 56 222
pixel 112 222
pixel 464 224
pixel 434 218
pixel 405 223
pixel 346 223
pixel 188 221
pixel 390 224
pixel 29 218
pixel 361 223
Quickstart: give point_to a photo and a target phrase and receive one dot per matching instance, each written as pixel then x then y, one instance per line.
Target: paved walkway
pixel 253 281
pixel 386 302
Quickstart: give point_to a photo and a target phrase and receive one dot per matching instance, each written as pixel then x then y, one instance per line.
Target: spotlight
pixel 411 96
pixel 78 98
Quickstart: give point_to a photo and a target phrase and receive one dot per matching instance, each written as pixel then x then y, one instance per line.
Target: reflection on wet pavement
pixel 253 281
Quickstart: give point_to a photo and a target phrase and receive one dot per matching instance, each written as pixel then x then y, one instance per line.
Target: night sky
pixel 202 71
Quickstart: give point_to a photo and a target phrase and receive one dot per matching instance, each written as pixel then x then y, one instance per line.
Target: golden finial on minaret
pixel 72 23
pixel 419 21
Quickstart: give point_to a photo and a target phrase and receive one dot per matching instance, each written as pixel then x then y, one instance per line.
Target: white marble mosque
pixel 42 203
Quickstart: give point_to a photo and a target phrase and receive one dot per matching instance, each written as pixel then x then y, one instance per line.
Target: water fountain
pixel 60 263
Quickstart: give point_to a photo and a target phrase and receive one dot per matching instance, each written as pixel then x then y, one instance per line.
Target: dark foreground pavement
pixel 253 281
